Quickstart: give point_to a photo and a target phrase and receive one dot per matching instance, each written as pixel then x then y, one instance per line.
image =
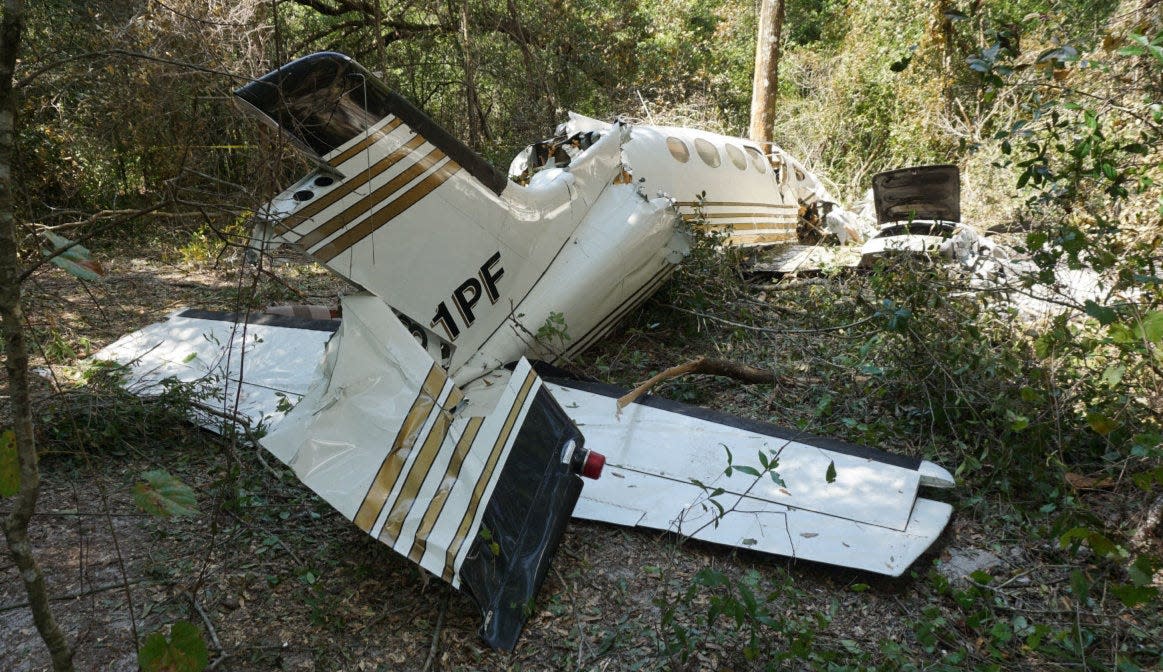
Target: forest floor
pixel 277 580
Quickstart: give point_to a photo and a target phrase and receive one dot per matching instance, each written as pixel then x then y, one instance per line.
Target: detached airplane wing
pixel 666 469
pixel 423 422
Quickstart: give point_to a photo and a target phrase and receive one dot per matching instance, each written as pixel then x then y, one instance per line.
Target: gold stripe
pixel 641 294
pixel 729 215
pixel 761 239
pixel 436 506
pixel 750 227
pixel 734 204
pixel 389 472
pixel 385 214
pixel 403 503
pixel 377 196
pixel 454 398
pixel 372 138
pixel 486 475
pixel 327 200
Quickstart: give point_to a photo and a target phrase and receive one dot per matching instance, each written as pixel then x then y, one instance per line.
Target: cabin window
pixel 757 159
pixel 678 150
pixel 707 153
pixel 736 156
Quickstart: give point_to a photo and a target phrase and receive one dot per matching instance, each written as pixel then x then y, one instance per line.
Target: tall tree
pixel 765 85
pixel 16 356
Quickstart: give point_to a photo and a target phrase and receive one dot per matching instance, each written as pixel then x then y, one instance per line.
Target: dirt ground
pixel 276 580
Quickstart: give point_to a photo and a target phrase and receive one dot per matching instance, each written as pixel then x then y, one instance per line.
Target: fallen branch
pixel 74 595
pixel 712 367
pixel 436 633
pixel 784 286
pixel 210 630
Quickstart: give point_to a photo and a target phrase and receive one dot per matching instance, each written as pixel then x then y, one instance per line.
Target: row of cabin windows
pixel 710 154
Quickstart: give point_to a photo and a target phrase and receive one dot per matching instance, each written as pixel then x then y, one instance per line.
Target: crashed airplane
pixel 420 416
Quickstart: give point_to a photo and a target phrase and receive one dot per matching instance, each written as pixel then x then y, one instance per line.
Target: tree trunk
pixel 765 85
pixel 16 357
pixel 476 116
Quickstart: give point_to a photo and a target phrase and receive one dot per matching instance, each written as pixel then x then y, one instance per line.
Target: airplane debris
pixel 418 415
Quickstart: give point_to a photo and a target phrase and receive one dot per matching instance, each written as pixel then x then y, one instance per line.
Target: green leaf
pixel 184 651
pixel 1079 586
pixel 161 494
pixel 1113 375
pixel 1150 329
pixel 1100 423
pixel 1142 571
pixel 830 474
pixel 859 587
pixel 1132 596
pixel 1018 422
pixel 1103 314
pixel 9 465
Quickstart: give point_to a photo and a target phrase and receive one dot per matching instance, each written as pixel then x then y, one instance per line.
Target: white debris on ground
pixel 992 266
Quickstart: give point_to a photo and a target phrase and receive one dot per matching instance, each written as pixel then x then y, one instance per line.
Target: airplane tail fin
pixel 398 205
pixel 408 212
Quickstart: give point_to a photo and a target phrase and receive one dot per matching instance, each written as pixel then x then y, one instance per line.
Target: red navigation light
pixel 593 465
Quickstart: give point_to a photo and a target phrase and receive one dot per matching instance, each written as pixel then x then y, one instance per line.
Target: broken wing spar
pixel 413 429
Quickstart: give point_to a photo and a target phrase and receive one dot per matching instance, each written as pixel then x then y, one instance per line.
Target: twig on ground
pixel 74 595
pixel 784 286
pixel 436 632
pixel 768 330
pixel 210 630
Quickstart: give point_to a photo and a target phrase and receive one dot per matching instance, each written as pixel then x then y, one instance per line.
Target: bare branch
pixel 713 367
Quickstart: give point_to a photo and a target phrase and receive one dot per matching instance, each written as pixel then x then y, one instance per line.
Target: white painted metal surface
pixel 422 493
pixel 869 516
pixel 276 362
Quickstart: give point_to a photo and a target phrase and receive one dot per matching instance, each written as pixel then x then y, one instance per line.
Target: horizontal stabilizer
pixel 275 356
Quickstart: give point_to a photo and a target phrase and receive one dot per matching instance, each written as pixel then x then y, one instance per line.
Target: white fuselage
pixel 477 275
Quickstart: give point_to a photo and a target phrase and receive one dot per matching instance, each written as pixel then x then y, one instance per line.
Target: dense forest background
pixel 125 102
pixel 126 139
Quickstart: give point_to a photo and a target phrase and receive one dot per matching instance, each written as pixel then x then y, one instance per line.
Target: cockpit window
pixel 707 153
pixel 321 101
pixel 678 150
pixel 757 159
